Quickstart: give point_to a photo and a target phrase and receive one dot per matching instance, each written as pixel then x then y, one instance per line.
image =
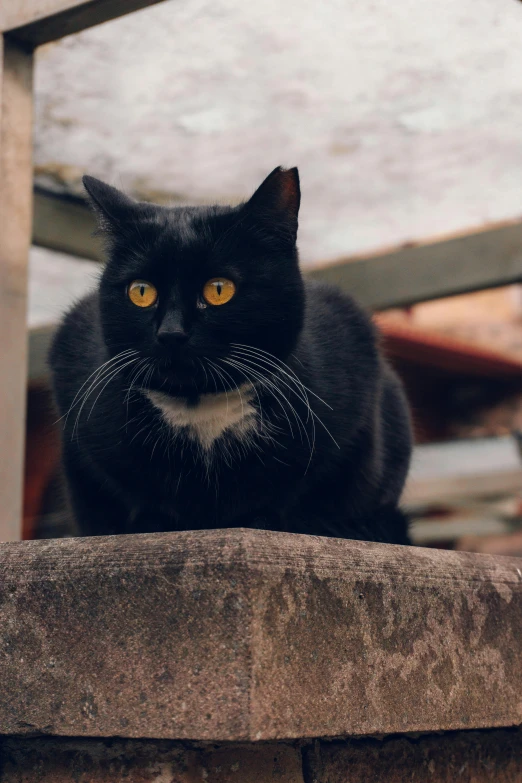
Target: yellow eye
pixel 142 294
pixel 218 291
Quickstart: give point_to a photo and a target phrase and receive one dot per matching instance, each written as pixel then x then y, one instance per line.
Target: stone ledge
pixel 243 635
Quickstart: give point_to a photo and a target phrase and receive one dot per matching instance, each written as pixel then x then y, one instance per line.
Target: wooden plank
pixel 16 70
pixel 39 344
pixel 453 489
pixel 249 635
pixel 17 13
pixel 37 22
pixel 463 470
pixel 65 224
pixel 404 276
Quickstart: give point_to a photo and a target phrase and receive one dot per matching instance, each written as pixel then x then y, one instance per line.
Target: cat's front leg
pixel 97 510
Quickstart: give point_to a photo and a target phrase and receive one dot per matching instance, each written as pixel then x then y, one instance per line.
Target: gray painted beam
pixel 398 277
pixel 65 224
pixel 39 345
pixel 36 22
pixel 405 276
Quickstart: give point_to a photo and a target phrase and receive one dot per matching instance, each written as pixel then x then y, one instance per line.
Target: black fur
pixel 338 471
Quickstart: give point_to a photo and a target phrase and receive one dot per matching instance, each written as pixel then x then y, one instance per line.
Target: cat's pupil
pixel 219 288
pixel 142 290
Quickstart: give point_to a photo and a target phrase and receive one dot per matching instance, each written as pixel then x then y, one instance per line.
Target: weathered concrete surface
pixel 133 636
pixel 251 635
pixel 463 757
pixel 93 761
pixel 358 638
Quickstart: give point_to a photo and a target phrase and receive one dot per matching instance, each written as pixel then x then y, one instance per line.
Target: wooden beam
pixel 404 276
pixel 16 71
pixel 66 224
pixel 39 345
pixel 392 278
pixel 37 22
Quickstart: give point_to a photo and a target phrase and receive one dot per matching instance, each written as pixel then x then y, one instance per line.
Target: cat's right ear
pixel 275 204
pixel 113 208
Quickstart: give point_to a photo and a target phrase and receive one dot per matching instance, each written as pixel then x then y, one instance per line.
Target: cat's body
pixel 278 412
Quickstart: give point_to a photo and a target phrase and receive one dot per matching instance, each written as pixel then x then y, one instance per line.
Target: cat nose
pixel 172 337
pixel 172 330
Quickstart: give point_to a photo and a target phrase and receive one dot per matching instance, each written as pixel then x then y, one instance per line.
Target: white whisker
pixel 99 370
pixel 304 390
pixel 273 387
pixel 111 377
pixel 110 373
pixel 280 362
pixel 297 388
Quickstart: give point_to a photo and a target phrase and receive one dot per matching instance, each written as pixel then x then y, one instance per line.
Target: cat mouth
pixel 175 377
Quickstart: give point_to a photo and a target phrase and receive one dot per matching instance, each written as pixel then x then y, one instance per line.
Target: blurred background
pixel 405 120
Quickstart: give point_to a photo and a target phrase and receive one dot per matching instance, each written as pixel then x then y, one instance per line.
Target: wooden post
pixel 16 71
pixel 23 26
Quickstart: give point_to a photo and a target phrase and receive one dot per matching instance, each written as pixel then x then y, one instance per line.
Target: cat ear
pixel 276 201
pixel 114 208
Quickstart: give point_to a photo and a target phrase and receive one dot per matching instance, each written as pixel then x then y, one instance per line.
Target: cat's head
pixel 185 286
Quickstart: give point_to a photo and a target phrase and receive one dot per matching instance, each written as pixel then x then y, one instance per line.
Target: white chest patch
pixel 214 414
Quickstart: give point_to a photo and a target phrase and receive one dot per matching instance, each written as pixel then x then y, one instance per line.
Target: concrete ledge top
pixel 234 635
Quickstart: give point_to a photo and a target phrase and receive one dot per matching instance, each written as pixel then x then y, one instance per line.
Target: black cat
pixel 205 384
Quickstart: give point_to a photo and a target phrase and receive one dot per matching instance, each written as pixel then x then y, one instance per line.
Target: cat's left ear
pixel 114 209
pixel 276 202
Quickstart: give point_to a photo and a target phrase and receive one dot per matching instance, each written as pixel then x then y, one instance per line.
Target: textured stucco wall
pixel 55 281
pixel 404 118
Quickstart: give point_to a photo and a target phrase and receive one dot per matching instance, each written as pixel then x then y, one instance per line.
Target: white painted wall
pixel 405 117
pixel 56 280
